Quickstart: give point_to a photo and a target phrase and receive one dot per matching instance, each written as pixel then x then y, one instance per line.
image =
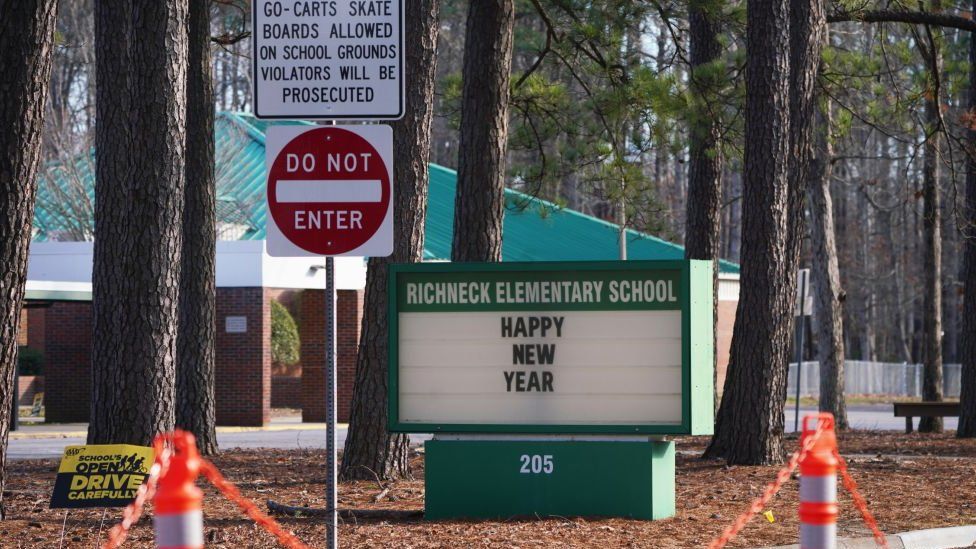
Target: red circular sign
pixel 328 191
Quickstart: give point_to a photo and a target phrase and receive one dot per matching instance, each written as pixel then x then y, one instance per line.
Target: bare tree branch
pixel 910 17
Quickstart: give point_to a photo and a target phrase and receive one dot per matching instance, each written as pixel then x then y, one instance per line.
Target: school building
pixel 56 320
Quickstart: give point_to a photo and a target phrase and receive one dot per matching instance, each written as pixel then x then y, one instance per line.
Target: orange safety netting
pixel 859 502
pixel 759 503
pixel 164 455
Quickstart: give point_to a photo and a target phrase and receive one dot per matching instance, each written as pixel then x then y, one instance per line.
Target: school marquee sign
pixel 588 347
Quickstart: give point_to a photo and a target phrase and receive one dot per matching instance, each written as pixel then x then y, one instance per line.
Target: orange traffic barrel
pixel 818 485
pixel 178 504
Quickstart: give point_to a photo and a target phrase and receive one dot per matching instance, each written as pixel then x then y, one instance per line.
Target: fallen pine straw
pixel 910 481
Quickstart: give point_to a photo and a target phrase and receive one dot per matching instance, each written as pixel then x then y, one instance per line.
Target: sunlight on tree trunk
pixel 825 273
pixel 370 450
pixel 140 138
pixel 26 52
pixel 195 407
pixel 480 201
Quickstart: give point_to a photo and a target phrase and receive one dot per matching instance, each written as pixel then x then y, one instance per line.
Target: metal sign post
pixel 15 411
pixel 801 314
pixel 330 193
pixel 332 527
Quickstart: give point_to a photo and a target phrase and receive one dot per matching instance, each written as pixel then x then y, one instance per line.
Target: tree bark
pixel 137 261
pixel 369 448
pixel 26 53
pixel 749 425
pixel 967 390
pixel 702 220
pixel 825 274
pixel 195 410
pixel 480 201
pixel 932 244
pixel 784 40
pixel 113 172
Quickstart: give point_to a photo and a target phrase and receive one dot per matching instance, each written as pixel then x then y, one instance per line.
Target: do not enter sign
pixel 330 190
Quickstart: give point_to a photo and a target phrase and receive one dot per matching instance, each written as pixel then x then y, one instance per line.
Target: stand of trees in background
pixel 634 112
pixel 26 56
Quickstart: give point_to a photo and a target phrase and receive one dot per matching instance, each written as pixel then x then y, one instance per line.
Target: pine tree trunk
pixel 932 250
pixel 113 172
pixel 369 447
pixel 702 221
pixel 137 259
pixel 825 274
pixel 784 40
pixel 26 53
pixel 480 201
pixel 967 348
pixel 749 425
pixel 195 411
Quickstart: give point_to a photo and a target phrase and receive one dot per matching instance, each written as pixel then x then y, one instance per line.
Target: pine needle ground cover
pixel 910 481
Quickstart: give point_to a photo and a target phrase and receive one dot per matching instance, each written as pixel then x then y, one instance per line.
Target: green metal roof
pixel 533 229
pixel 537 230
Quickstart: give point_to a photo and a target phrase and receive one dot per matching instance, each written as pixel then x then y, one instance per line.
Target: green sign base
pixel 509 478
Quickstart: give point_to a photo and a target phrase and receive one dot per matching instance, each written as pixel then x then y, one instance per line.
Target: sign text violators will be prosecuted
pixel 328 59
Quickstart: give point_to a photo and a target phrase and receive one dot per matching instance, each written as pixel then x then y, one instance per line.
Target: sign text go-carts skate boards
pixel 328 59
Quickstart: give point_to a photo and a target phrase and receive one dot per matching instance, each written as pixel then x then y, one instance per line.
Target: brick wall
pixel 35 328
pixel 349 314
pixel 726 321
pixel 22 328
pixel 286 392
pixel 67 361
pixel 27 387
pixel 243 361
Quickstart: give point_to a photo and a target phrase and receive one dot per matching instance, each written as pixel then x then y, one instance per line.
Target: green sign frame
pixel 695 299
pixel 632 479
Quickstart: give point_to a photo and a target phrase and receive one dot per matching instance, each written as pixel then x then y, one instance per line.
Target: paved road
pixel 868 416
pixel 308 436
pixel 288 433
pixel 292 439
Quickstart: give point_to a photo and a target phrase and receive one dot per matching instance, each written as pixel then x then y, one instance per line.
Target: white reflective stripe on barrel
pixel 818 489
pixel 183 530
pixel 819 536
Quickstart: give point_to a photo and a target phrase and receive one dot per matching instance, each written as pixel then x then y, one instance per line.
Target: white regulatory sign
pixel 328 59
pixel 330 190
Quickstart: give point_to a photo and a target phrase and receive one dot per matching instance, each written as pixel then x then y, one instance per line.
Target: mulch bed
pixel 910 481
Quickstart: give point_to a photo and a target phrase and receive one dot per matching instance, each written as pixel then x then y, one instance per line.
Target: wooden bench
pixel 908 410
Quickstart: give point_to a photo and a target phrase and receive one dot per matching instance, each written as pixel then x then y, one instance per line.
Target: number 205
pixel 536 464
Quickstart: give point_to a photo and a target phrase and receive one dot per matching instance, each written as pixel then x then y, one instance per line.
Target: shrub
pixel 285 344
pixel 30 361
